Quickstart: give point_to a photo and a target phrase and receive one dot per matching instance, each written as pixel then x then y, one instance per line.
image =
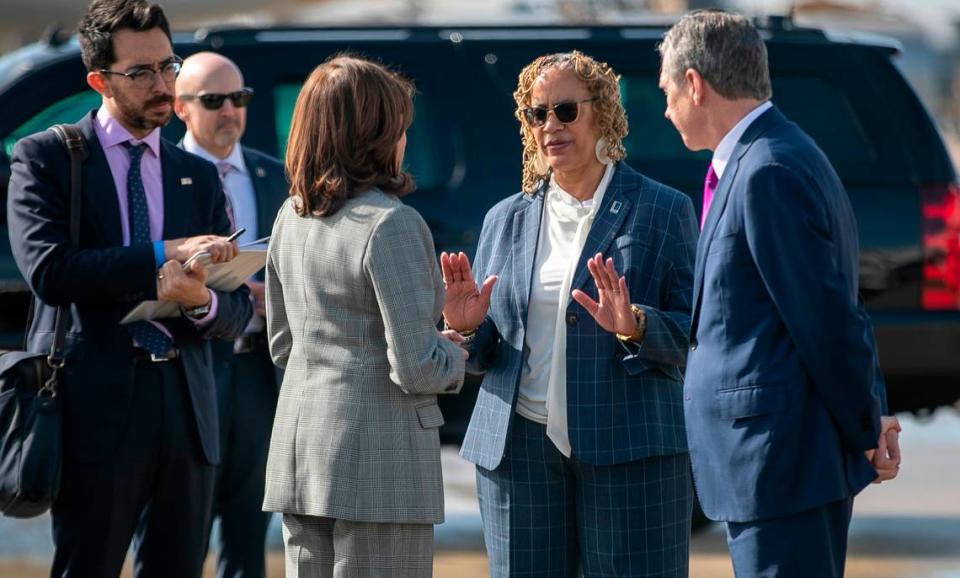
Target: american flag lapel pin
pixel 184 181
pixel 615 207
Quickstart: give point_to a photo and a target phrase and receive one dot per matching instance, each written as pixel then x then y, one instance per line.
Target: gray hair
pixel 724 48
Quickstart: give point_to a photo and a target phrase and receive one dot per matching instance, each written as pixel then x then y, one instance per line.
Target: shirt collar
pixel 114 134
pixel 721 156
pixel 234 159
pixel 556 193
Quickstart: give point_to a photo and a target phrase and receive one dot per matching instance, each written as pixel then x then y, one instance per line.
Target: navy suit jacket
pixel 782 390
pixel 271 189
pixel 620 407
pixel 103 280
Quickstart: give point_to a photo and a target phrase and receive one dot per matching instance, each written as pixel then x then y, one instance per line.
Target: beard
pixel 227 133
pixel 140 115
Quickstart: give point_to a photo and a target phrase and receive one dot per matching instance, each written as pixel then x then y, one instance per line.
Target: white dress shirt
pixel 721 156
pixel 237 185
pixel 543 380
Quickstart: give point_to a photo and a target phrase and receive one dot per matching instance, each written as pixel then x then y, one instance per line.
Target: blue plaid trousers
pixel 545 515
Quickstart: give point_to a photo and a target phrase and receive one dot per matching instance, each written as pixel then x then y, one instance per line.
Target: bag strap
pixel 71 138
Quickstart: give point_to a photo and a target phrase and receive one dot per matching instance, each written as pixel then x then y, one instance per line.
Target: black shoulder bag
pixel 30 438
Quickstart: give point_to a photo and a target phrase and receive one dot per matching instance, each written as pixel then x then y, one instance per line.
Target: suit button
pixel 693 345
pixel 572 319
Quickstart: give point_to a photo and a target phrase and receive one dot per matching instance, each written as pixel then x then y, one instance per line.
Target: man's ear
pixel 180 109
pixel 98 82
pixel 696 86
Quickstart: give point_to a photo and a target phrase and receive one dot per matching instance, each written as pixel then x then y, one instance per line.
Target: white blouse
pixel 543 381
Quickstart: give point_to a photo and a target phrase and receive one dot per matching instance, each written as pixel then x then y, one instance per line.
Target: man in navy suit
pixel 139 403
pixel 783 397
pixel 212 101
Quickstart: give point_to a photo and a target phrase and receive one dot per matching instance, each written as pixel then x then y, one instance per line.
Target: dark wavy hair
pixel 349 117
pixel 104 17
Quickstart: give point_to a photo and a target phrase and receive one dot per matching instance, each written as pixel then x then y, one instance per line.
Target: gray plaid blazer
pixel 353 300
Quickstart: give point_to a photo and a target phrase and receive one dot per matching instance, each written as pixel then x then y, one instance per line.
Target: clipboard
pixel 221 276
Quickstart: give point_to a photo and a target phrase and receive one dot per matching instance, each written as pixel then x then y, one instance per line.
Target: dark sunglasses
pixel 566 112
pixel 211 101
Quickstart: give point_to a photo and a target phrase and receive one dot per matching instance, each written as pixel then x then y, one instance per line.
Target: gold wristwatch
pixel 638 333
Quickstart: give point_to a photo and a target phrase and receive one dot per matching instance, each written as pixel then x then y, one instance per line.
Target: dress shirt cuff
pixel 159 255
pixel 210 316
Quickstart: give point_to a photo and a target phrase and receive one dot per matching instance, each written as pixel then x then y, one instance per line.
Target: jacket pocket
pixel 430 416
pixel 751 401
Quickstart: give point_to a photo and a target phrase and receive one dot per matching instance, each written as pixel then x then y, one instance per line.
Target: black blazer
pixel 103 280
pixel 270 189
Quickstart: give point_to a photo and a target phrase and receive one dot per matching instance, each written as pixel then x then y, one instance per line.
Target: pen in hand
pixel 236 234
pixel 203 257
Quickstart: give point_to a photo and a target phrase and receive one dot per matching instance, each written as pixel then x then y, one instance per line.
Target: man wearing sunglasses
pixel 139 409
pixel 212 101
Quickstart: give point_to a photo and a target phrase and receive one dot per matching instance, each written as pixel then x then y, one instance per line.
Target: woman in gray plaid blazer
pixel 353 298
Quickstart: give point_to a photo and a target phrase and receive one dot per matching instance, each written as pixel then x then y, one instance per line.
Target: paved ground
pixel 906 529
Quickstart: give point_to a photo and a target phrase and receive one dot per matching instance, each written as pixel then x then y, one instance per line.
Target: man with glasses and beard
pixel 139 406
pixel 211 100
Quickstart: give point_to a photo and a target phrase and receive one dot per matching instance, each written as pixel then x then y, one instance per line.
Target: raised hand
pixel 465 306
pixel 612 312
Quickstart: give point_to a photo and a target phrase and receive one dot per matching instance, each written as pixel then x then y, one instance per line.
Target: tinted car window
pixel 651 137
pixel 67 110
pixel 419 157
pixel 826 114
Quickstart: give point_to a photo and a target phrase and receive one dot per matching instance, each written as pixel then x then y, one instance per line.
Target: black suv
pixel 464 149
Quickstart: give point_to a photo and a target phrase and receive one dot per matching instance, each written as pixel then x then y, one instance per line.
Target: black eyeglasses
pixel 566 112
pixel 211 101
pixel 145 76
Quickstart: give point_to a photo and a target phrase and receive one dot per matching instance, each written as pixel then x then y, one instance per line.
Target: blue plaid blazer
pixel 621 405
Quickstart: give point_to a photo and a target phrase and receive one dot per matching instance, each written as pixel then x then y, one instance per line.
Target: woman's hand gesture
pixel 612 312
pixel 465 306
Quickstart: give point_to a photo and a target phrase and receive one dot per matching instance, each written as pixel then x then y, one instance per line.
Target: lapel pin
pixel 261 173
pixel 186 181
pixel 615 207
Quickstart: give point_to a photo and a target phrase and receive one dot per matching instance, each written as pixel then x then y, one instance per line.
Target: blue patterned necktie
pixel 146 335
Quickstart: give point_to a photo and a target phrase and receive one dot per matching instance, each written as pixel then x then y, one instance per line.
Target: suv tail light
pixel 941 246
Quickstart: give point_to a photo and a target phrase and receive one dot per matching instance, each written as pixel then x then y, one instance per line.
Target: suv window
pixel 820 108
pixel 651 136
pixel 67 110
pixel 418 158
pixel 824 112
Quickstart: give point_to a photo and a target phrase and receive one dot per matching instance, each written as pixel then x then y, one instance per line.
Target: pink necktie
pixel 224 168
pixel 709 187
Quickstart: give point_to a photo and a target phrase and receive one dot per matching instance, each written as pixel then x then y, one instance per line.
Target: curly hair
pixel 602 82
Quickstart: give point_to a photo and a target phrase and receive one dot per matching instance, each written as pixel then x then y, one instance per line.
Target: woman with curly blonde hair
pixel 580 329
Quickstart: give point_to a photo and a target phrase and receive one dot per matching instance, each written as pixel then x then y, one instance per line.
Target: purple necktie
pixel 709 187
